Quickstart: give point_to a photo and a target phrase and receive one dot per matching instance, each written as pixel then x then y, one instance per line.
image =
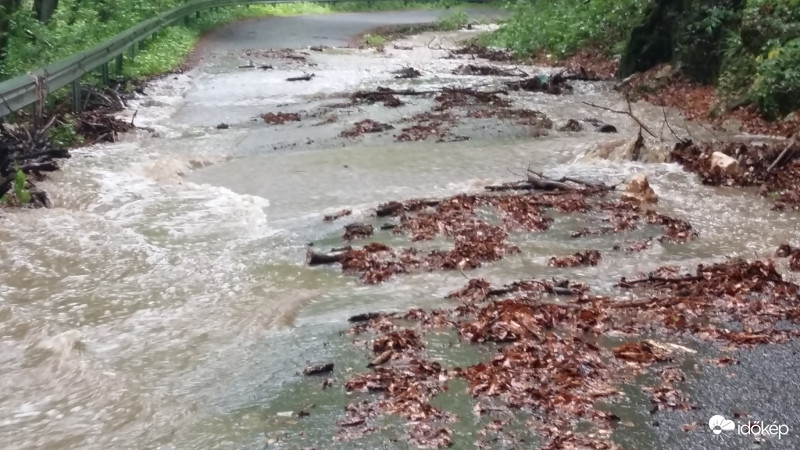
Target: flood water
pixel 164 302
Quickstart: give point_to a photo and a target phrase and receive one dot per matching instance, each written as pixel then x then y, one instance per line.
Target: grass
pixel 62 38
pixel 375 40
pixel 175 44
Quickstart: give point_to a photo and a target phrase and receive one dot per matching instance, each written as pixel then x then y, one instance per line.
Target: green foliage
pixel 21 194
pixel 20 188
pixel 564 27
pixel 164 53
pixel 762 58
pixel 79 24
pixel 701 37
pixel 64 134
pixel 374 40
pixel 453 21
pixel 776 88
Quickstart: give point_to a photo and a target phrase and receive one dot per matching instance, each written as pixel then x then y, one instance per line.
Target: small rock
pixel 607 129
pixel 571 125
pixel 664 72
pixel 639 189
pixel 732 125
pixel 725 163
pixel 223 126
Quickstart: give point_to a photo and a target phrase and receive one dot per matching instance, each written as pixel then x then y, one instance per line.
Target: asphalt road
pixel 334 30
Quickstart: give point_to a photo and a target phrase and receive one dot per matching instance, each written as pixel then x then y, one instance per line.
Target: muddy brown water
pixel 164 301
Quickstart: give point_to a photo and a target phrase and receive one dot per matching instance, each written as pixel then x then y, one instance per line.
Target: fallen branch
pixel 317 259
pixel 306 77
pixel 789 150
pixel 628 113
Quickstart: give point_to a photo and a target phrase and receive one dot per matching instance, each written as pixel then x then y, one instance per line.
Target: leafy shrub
pixel 64 134
pixel 565 26
pixel 761 61
pixel 701 37
pixel 453 21
pixel 20 195
pixel 776 89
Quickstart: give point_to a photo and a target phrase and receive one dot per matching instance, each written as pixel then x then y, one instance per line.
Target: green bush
pixel 78 24
pixel 776 88
pixel 453 21
pixel 64 134
pixel 563 27
pixel 761 59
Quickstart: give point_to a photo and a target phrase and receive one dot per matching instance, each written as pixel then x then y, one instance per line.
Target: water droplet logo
pixel 718 424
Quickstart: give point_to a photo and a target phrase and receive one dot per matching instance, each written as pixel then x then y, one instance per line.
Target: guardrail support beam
pixel 76 96
pixel 120 62
pixel 104 73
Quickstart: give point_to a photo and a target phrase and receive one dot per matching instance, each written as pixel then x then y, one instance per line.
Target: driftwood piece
pixel 318 369
pixel 381 359
pixel 537 181
pixel 306 77
pixel 337 215
pixel 791 147
pixel 317 259
pixel 363 317
pixel 407 73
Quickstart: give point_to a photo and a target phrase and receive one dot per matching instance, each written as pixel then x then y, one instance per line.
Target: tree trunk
pixel 44 9
pixel 653 41
pixel 687 33
pixel 7 8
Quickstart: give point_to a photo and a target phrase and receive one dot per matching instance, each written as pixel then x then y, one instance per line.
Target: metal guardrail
pixel 26 90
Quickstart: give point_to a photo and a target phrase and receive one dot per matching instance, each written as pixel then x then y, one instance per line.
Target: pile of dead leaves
pixel 463 220
pixel 365 126
pixel 787 251
pixel 662 86
pixel 526 117
pixel 553 364
pixel 460 97
pixel 483 52
pixel 280 118
pixel 754 161
pixel 587 258
pixel 555 84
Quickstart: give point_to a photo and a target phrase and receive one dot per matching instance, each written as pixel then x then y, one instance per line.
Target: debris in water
pixel 306 77
pixel 357 230
pixel 318 369
pixel 407 73
pixel 280 118
pixel 479 51
pixel 483 70
pixel 337 215
pixel 365 126
pixel 587 258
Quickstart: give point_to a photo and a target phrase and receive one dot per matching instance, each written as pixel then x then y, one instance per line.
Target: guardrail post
pixel 132 51
pixel 76 96
pixel 104 72
pixel 120 61
pixel 197 15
